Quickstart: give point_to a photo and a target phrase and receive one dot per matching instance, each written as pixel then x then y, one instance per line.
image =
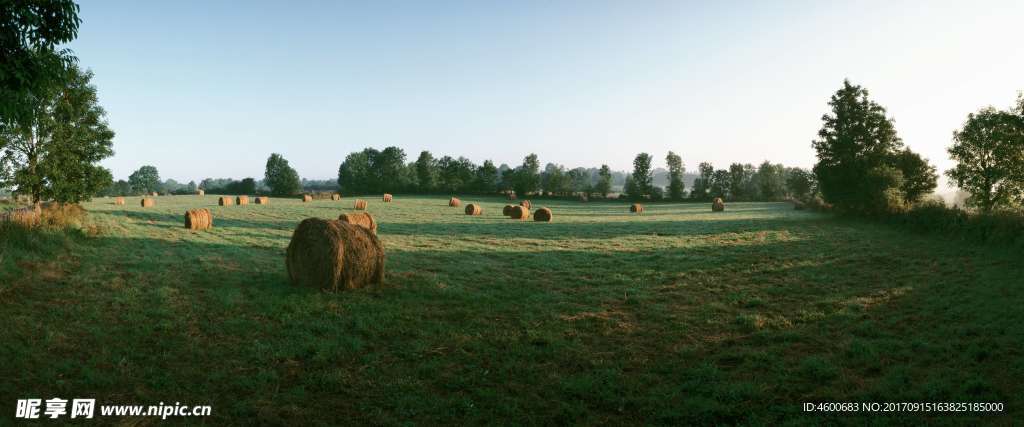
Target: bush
pixel 1003 227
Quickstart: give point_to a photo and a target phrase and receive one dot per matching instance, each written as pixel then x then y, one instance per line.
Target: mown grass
pixel 673 317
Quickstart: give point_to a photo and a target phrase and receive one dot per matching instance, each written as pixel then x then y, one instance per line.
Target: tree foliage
pixel 642 177
pixel 989 156
pixel 604 181
pixel 145 180
pixel 52 153
pixel 280 177
pixel 675 176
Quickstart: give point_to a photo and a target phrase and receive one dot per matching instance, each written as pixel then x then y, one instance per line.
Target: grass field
pixel 676 316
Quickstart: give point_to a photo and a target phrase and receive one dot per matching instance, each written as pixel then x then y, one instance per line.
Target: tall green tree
pixel 919 177
pixel 426 171
pixel 388 168
pixel 145 180
pixel 741 183
pixel 487 178
pixel 801 184
pixel 856 147
pixel 32 64
pixel 604 181
pixel 280 177
pixel 527 176
pixel 675 176
pixel 702 184
pixel 720 184
pixel 771 180
pixel 643 178
pixel 53 152
pixel 989 156
pixel 355 172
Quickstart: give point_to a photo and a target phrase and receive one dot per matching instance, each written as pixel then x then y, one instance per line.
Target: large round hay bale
pixel 23 217
pixel 242 200
pixel 225 201
pixel 307 198
pixel 198 219
pixel 519 212
pixel 474 209
pixel 636 208
pixel 148 202
pixel 119 201
pixel 360 204
pixel 453 202
pixel 507 210
pixel 363 219
pixel 200 192
pixel 262 200
pixel 334 255
pixel 526 204
pixel 717 205
pixel 542 215
pixel 388 198
pixel 335 196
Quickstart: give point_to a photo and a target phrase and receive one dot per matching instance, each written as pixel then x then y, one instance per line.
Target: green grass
pixel 677 316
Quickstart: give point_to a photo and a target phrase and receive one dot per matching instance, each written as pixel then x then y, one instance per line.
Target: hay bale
pixel 155 194
pixel 360 205
pixel 526 204
pixel 542 215
pixel 474 209
pixel 24 217
pixel 334 255
pixel 362 219
pixel 388 198
pixel 717 205
pixel 507 210
pixel 520 213
pixel 242 200
pixel 119 201
pixel 636 208
pixel 198 219
pixel 306 198
pixel 453 202
pixel 225 201
pixel 148 202
pixel 335 196
pixel 200 192
pixel 262 200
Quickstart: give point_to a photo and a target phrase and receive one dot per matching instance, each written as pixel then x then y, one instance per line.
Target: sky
pixel 212 88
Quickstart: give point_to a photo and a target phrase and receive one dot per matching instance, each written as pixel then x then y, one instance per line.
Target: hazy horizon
pixel 210 90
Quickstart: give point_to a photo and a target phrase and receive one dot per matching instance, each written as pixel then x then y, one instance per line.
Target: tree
pixel 555 180
pixel 604 181
pixel 32 65
pixel 801 184
pixel 741 186
pixel 771 180
pixel 145 180
pixel 989 152
pixel 919 177
pixel 642 177
pixel 702 184
pixel 426 171
pixel 354 173
pixel 527 176
pixel 578 180
pixel 721 183
pixel 856 142
pixel 282 179
pixel 487 177
pixel 53 150
pixel 388 170
pixel 247 186
pixel 675 176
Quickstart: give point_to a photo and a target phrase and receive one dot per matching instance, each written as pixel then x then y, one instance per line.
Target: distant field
pixel 679 315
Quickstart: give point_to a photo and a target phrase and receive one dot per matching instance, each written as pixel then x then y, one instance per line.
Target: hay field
pixel 678 315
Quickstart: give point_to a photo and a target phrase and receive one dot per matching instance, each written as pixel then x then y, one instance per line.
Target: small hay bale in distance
pixel 520 213
pixel 507 210
pixel 335 196
pixel 119 201
pixel 261 200
pixel 474 209
pixel 360 204
pixel 454 203
pixel 242 200
pixel 636 208
pixel 198 219
pixel 200 192
pixel 24 217
pixel 306 198
pixel 526 204
pixel 717 205
pixel 155 194
pixel 148 202
pixel 225 201
pixel 542 215
pixel 333 255
pixel 362 219
pixel 388 198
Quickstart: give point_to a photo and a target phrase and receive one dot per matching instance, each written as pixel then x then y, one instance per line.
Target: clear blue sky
pixel 211 88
